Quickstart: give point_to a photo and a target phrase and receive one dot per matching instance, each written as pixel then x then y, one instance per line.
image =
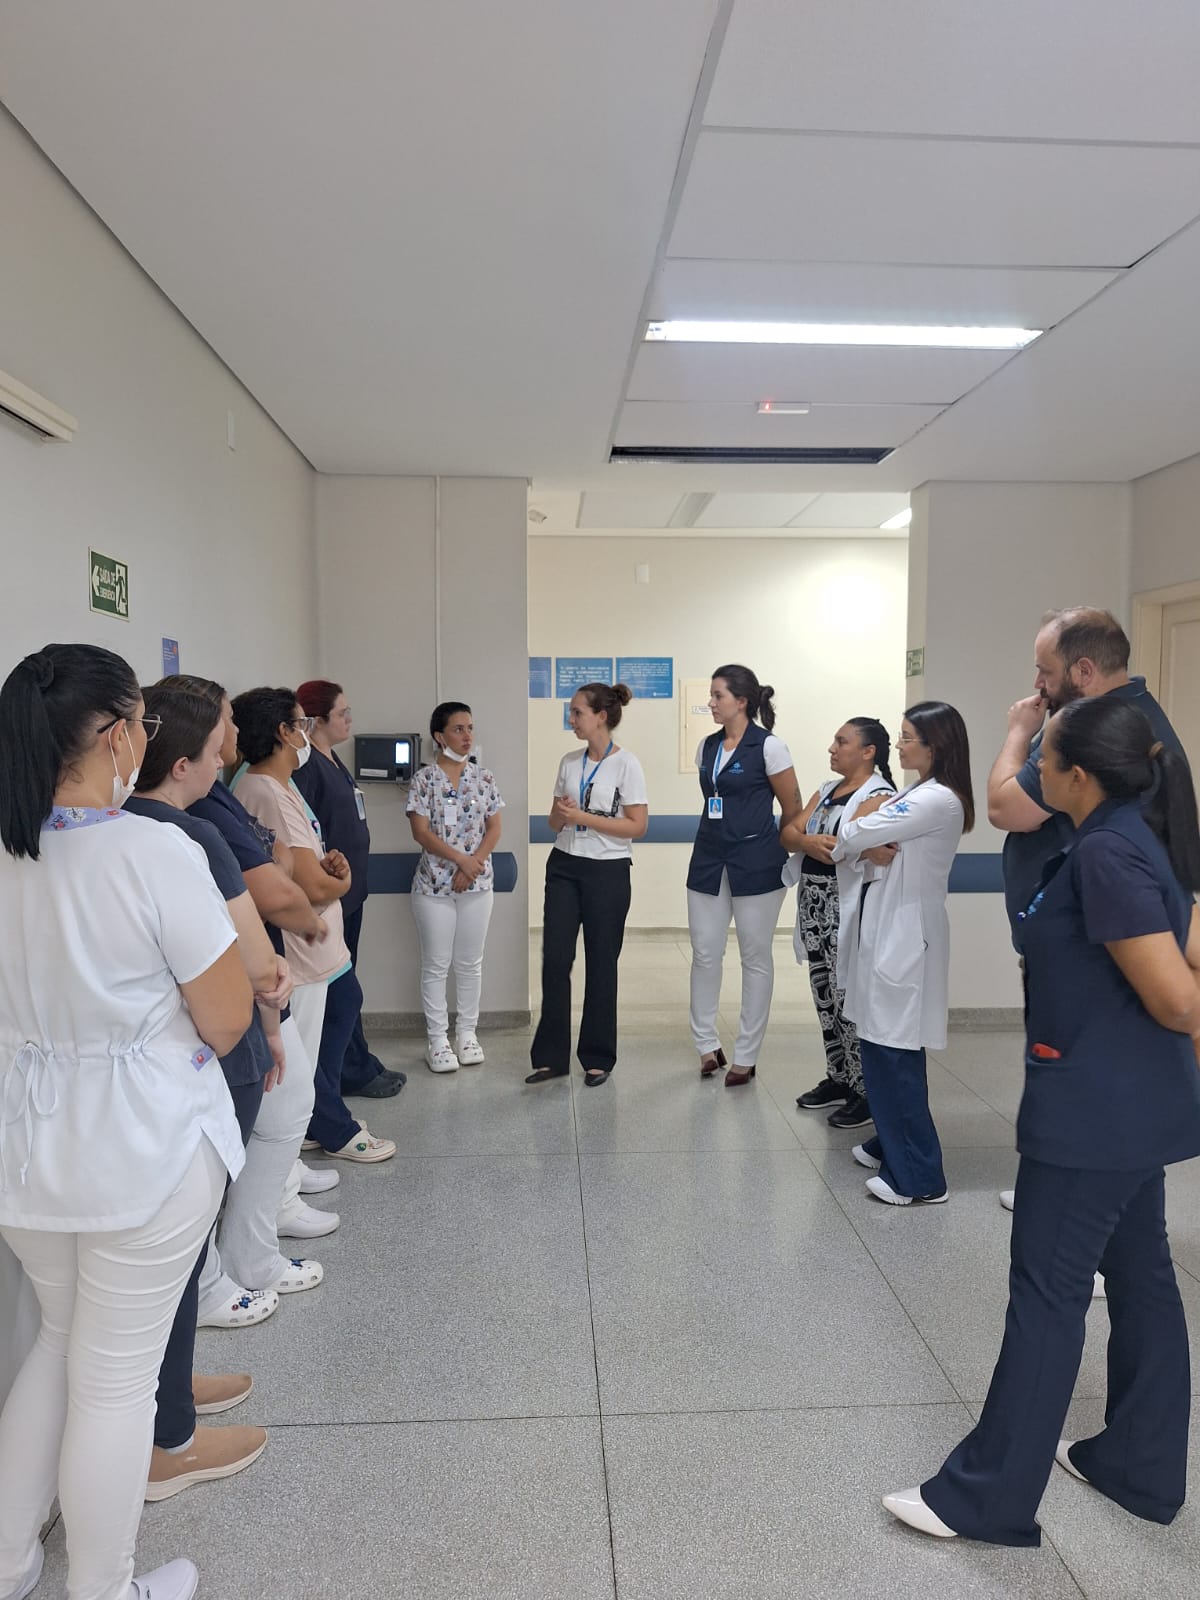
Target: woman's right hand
pixel 469 867
pixel 560 813
pixel 881 854
pixel 820 846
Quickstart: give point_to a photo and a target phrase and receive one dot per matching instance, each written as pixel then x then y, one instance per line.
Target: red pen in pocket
pixel 1045 1052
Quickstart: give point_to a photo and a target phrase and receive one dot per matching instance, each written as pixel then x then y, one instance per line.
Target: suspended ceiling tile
pixel 850 510
pixel 616 508
pixel 946 202
pixel 846 375
pixel 1077 69
pixel 752 510
pixel 650 422
pixel 817 291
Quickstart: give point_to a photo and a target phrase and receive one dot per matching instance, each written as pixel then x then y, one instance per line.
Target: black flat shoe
pixel 544 1074
pixel 595 1079
pixel 382 1087
pixel 855 1113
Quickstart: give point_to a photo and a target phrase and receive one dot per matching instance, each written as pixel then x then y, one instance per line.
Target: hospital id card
pixel 715 807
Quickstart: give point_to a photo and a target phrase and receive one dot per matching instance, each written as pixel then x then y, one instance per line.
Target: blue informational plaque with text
pixel 571 671
pixel 650 677
pixel 540 685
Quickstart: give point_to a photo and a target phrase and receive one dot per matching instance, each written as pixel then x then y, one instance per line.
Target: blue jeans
pixel 359 1067
pixel 1067 1223
pixel 906 1143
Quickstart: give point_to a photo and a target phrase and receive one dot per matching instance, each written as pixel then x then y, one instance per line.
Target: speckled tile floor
pixel 647 1342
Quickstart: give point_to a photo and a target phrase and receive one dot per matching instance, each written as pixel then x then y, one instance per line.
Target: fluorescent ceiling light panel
pixel 858 333
pixel 783 408
pixel 900 520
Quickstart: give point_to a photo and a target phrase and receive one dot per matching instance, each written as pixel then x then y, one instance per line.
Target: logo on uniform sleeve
pixel 898 808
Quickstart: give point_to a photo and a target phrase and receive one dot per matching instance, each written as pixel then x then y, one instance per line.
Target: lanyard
pixel 585 778
pixel 717 763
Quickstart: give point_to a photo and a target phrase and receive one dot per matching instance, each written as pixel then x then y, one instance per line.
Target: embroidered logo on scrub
pixel 898 808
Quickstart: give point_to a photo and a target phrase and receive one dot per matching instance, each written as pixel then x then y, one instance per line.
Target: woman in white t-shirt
pixel 454 811
pixel 737 862
pixel 120 984
pixel 600 807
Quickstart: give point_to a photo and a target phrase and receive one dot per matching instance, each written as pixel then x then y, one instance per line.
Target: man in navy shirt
pixel 1078 653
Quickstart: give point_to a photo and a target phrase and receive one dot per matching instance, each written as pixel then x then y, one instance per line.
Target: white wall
pixel 996 558
pixel 821 619
pixel 1166 527
pixel 396 555
pixel 220 543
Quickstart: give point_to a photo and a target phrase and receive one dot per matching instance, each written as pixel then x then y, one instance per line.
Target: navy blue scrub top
pixel 330 790
pixel 1026 854
pixel 1110 1089
pixel 745 840
pixel 250 1059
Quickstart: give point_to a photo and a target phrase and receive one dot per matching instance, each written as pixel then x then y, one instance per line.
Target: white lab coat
pixel 852 872
pixel 897 944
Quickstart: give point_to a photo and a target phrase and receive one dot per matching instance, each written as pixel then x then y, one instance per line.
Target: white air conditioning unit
pixel 26 405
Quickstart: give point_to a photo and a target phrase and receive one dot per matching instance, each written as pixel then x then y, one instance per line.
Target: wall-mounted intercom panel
pixel 386 757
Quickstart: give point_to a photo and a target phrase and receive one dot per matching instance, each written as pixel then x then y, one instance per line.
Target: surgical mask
pixel 445 750
pixel 302 755
pixel 121 790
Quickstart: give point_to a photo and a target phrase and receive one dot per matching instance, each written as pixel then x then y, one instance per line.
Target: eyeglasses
pixel 902 738
pixel 151 725
pixel 303 724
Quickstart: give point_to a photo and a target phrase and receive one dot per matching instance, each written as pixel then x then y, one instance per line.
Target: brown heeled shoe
pixel 712 1063
pixel 738 1075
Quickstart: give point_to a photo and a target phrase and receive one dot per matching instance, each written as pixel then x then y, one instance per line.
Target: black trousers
pixel 594 896
pixel 1067 1223
pixel 359 1066
pixel 175 1419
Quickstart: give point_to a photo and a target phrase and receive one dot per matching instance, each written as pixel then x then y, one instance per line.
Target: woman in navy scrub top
pixel 736 866
pixel 1111 942
pixel 337 803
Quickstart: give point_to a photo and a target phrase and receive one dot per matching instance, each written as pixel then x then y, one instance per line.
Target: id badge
pixel 360 805
pixel 715 808
pixel 450 814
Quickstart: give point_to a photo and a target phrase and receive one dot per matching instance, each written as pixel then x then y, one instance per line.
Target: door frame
pixel 1146 642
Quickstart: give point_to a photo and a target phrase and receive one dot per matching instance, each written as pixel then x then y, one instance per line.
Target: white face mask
pixel 445 750
pixel 302 755
pixel 121 790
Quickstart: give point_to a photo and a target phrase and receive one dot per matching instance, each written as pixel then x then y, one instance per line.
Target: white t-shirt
pixel 106 1088
pixel 776 755
pixel 618 782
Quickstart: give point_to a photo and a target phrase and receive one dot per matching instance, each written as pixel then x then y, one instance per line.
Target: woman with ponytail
pixel 1111 943
pixel 737 863
pixel 859 755
pixel 120 985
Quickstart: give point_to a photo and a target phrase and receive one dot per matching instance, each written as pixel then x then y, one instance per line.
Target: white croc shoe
pixel 1062 1456
pixel 298 1275
pixel 468 1050
pixel 178 1580
pixel 365 1147
pixel 440 1056
pixel 906 1505
pixel 245 1310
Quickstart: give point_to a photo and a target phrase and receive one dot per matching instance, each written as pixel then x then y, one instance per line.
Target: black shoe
pixel 544 1074
pixel 827 1093
pixel 856 1113
pixel 382 1087
pixel 594 1077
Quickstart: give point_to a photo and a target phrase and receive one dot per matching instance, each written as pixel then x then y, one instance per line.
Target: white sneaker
pixel 299 1275
pixel 884 1191
pixel 315 1180
pixel 249 1307
pixel 864 1160
pixel 1008 1198
pixel 301 1221
pixel 1099 1292
pixel 468 1049
pixel 178 1580
pixel 440 1056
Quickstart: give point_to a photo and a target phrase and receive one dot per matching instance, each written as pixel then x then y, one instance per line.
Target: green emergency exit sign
pixel 108 585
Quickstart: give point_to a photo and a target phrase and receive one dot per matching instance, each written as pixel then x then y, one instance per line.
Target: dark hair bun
pixel 623 693
pixel 767 691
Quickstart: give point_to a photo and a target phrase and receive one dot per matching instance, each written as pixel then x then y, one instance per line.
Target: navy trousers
pixel 906 1142
pixel 175 1418
pixel 1066 1224
pixel 359 1067
pixel 332 1125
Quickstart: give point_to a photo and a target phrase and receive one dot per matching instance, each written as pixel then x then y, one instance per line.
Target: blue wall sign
pixel 540 678
pixel 650 677
pixel 571 671
pixel 170 658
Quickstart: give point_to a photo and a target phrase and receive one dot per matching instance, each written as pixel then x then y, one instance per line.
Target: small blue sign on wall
pixel 539 678
pixel 170 658
pixel 567 714
pixel 571 671
pixel 650 677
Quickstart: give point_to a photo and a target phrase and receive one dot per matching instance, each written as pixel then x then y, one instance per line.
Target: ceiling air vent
pixel 767 455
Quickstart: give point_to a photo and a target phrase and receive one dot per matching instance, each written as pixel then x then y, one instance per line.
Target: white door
pixel 1179 678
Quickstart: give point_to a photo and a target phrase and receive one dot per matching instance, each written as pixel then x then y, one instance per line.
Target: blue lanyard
pixel 584 778
pixel 717 760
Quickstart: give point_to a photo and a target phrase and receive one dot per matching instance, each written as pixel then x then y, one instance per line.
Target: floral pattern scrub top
pixel 458 816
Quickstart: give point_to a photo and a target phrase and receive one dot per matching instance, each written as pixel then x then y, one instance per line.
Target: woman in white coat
pixel 898 949
pixel 828 895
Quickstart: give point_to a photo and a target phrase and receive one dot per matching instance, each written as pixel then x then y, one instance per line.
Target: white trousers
pixel 452 929
pixel 246 1253
pixel 80 1416
pixel 754 916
